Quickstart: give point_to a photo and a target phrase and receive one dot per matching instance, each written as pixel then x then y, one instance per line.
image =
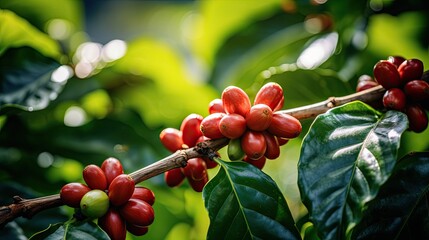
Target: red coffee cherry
pixel 396 60
pixel 253 144
pixel 271 94
pixel 95 177
pixel 282 141
pixel 137 212
pixel 72 193
pixel 417 90
pixel 232 125
pixel 137 230
pixel 210 126
pixel 171 138
pixel 121 189
pixel 386 74
pixel 190 129
pixel 260 163
pixel 365 82
pixel 112 168
pixel 113 224
pixel 235 100
pixel 216 106
pixel 195 169
pixel 174 177
pixel 394 98
pixel 259 117
pixel 198 185
pixel 144 194
pixel 417 117
pixel 273 147
pixel 411 69
pixel 285 126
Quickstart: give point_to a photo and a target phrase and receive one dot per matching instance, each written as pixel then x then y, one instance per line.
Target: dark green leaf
pixel 346 156
pixel 74 230
pixel 400 211
pixel 245 203
pixel 12 231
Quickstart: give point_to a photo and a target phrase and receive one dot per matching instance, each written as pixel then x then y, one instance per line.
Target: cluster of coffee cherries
pixel 111 196
pixel 188 136
pixel 256 131
pixel 407 88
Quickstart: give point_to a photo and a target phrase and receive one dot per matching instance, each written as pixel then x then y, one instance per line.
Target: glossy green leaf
pixel 73 230
pixel 400 211
pixel 245 203
pixel 349 152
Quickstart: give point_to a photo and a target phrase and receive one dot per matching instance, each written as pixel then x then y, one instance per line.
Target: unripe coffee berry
pixel 94 203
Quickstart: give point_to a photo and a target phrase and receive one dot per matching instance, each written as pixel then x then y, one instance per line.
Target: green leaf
pixel 17 32
pixel 400 211
pixel 245 203
pixel 26 80
pixel 349 152
pixel 72 230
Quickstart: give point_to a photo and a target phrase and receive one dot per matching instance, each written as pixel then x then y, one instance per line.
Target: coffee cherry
pixel 174 177
pixel 209 163
pixel 198 185
pixel 72 193
pixel 259 117
pixel 144 194
pixel 95 177
pixel 112 168
pixel 195 169
pixel 232 125
pixel 190 129
pixel 137 230
pixel 216 106
pixel 417 117
pixel 234 150
pixel 282 141
pixel 94 203
pixel 410 70
pixel 137 212
pixel 273 147
pixel 121 189
pixel 285 126
pixel 235 100
pixel 260 163
pixel 171 138
pixel 417 90
pixel 113 224
pixel 271 94
pixel 365 82
pixel 253 144
pixel 394 98
pixel 210 126
pixel 386 74
pixel 396 60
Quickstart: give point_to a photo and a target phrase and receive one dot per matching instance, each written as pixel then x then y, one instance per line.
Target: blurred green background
pixel 125 70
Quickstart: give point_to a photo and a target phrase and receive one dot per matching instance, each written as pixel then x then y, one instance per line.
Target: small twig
pixel 29 207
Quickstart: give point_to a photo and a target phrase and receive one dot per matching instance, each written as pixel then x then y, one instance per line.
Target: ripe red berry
pixel 285 126
pixel 271 94
pixel 137 212
pixel 174 177
pixel 282 141
pixel 190 129
pixel 198 185
pixel 216 106
pixel 253 144
pixel 365 82
pixel 72 193
pixel 417 90
pixel 273 147
pixel 235 100
pixel 259 117
pixel 386 74
pixel 144 194
pixel 113 224
pixel 210 126
pixel 394 98
pixel 411 69
pixel 396 60
pixel 95 177
pixel 417 117
pixel 171 138
pixel 137 230
pixel 121 189
pixel 112 168
pixel 260 163
pixel 232 125
pixel 195 169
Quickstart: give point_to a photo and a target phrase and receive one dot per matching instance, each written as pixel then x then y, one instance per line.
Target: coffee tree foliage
pixel 178 57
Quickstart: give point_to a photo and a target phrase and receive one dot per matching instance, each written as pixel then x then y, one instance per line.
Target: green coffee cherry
pixel 235 152
pixel 94 203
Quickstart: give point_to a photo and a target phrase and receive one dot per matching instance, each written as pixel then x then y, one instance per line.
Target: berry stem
pixel 29 207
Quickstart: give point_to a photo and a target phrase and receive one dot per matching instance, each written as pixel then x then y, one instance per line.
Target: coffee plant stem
pixel 29 207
